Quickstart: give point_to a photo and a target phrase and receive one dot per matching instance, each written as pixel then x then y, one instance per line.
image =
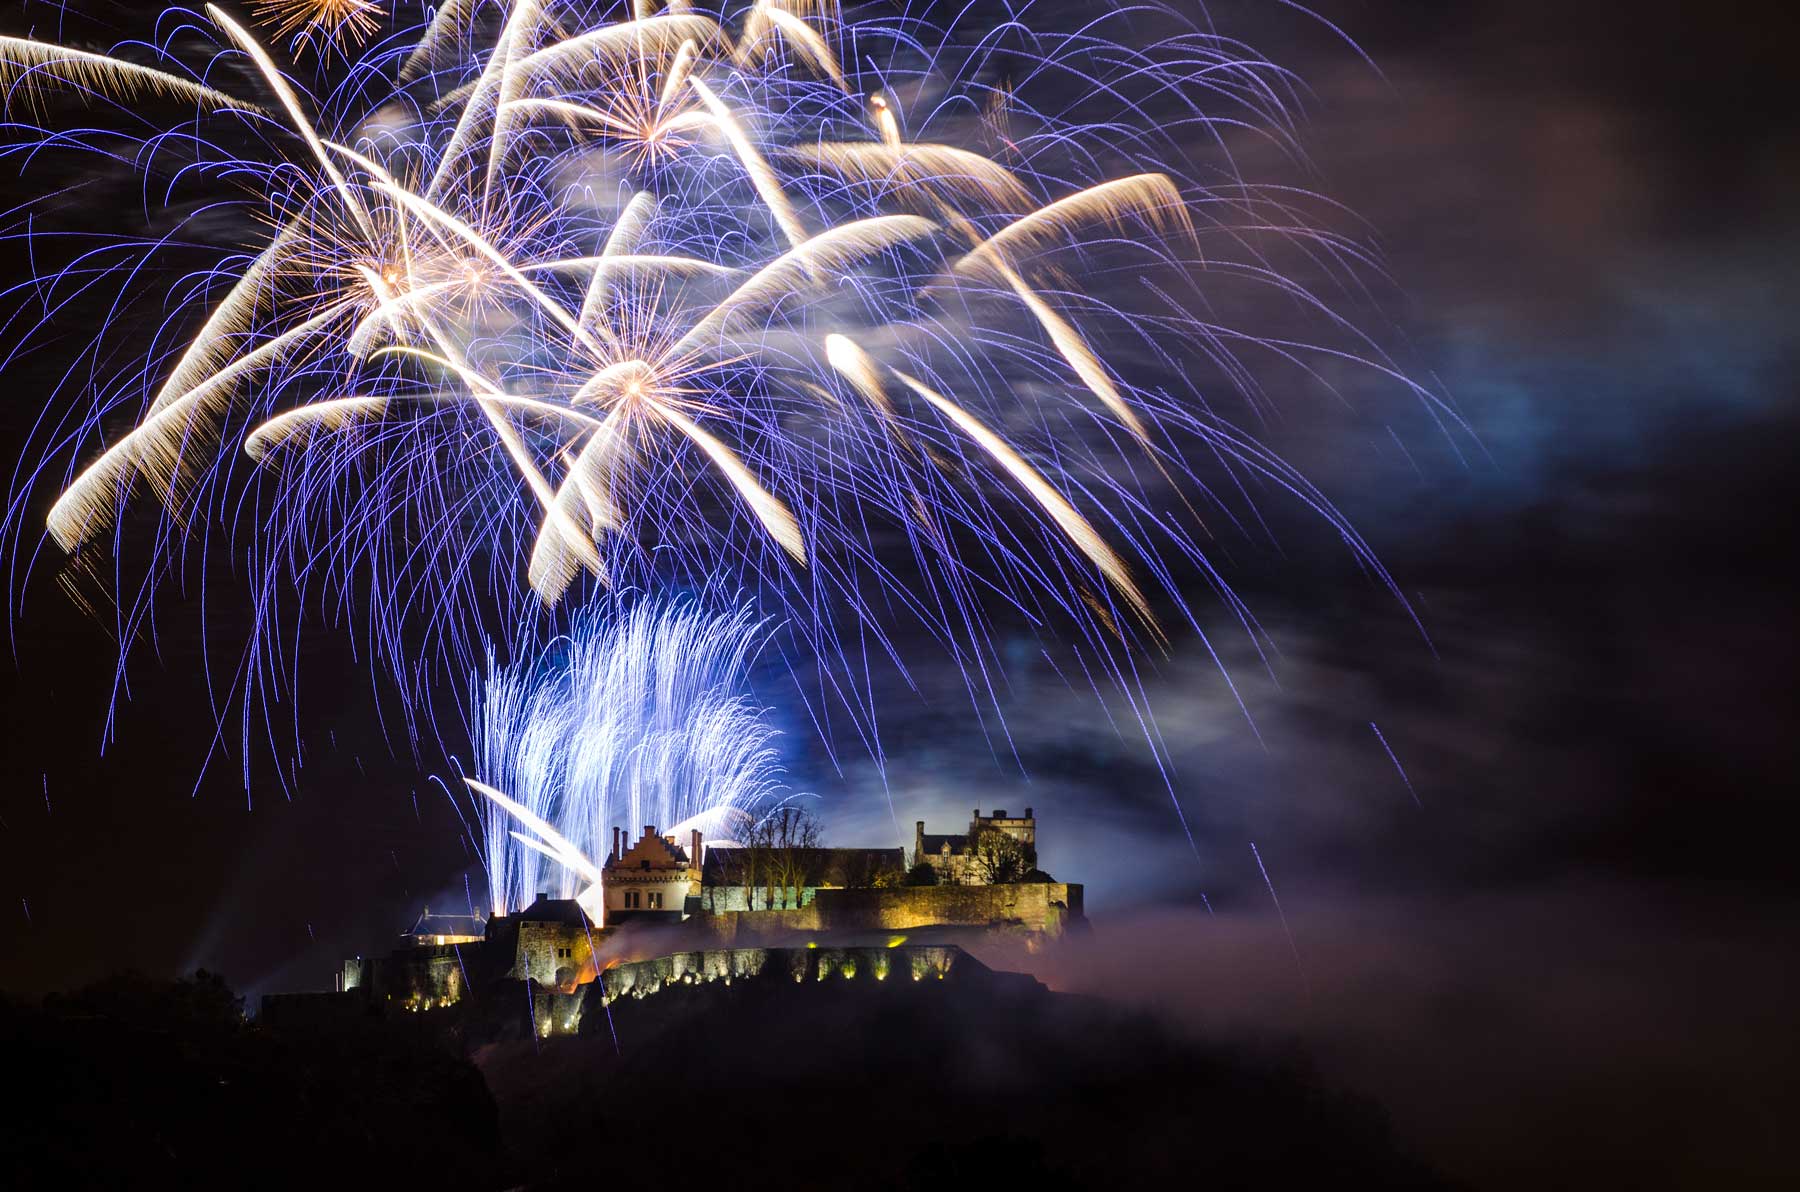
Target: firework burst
pixel 880 322
pixel 339 24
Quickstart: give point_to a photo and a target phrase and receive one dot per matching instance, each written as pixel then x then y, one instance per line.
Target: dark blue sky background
pixel 1587 214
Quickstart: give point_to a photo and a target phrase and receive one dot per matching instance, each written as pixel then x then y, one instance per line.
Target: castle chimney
pixel 1028 813
pixel 999 813
pixel 694 856
pixel 615 852
pixel 649 829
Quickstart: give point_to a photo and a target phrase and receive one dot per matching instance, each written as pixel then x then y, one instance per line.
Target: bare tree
pixel 792 839
pixel 752 861
pixel 1000 858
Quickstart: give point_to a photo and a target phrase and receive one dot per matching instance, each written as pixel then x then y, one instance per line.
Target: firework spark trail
pixel 570 296
pixel 600 982
pixel 1285 929
pixel 606 1004
pixel 326 24
pixel 1398 768
pixel 645 721
pixel 459 961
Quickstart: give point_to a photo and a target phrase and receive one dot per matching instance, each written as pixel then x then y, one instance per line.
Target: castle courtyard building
pixel 651 880
pixel 957 861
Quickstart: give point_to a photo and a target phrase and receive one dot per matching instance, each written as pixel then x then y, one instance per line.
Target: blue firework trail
pixel 641 716
pixel 1276 899
pixel 900 322
pixel 1398 768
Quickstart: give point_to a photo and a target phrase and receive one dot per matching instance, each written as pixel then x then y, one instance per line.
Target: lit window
pixel 656 900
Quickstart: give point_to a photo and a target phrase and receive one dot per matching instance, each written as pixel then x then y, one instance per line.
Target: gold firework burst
pixel 335 22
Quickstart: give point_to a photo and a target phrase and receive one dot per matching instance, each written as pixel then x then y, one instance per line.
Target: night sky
pixel 1569 937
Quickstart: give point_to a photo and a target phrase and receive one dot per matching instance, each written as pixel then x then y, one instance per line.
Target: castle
pixel 723 900
pixel 977 858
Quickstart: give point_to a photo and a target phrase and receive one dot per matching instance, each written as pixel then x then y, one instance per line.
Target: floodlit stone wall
pixel 556 954
pixel 418 978
pixel 1048 907
pixel 643 978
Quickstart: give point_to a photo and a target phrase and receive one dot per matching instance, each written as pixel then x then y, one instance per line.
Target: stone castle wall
pixel 560 958
pixel 415 978
pixel 554 954
pixel 1036 906
pixel 1047 907
pixel 642 978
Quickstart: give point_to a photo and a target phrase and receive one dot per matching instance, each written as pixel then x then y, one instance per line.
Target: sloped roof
pixel 934 845
pixel 848 867
pixel 554 910
pixel 430 924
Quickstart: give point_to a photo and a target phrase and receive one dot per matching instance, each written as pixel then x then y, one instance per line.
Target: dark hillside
pixel 991 1083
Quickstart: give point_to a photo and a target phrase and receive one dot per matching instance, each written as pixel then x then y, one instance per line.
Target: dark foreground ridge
pixel 969 1080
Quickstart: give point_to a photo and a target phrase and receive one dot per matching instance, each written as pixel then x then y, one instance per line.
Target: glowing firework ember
pixel 646 719
pixel 335 22
pixel 877 322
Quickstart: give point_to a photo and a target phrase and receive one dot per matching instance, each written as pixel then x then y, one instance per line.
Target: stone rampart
pixel 1037 906
pixel 1047 907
